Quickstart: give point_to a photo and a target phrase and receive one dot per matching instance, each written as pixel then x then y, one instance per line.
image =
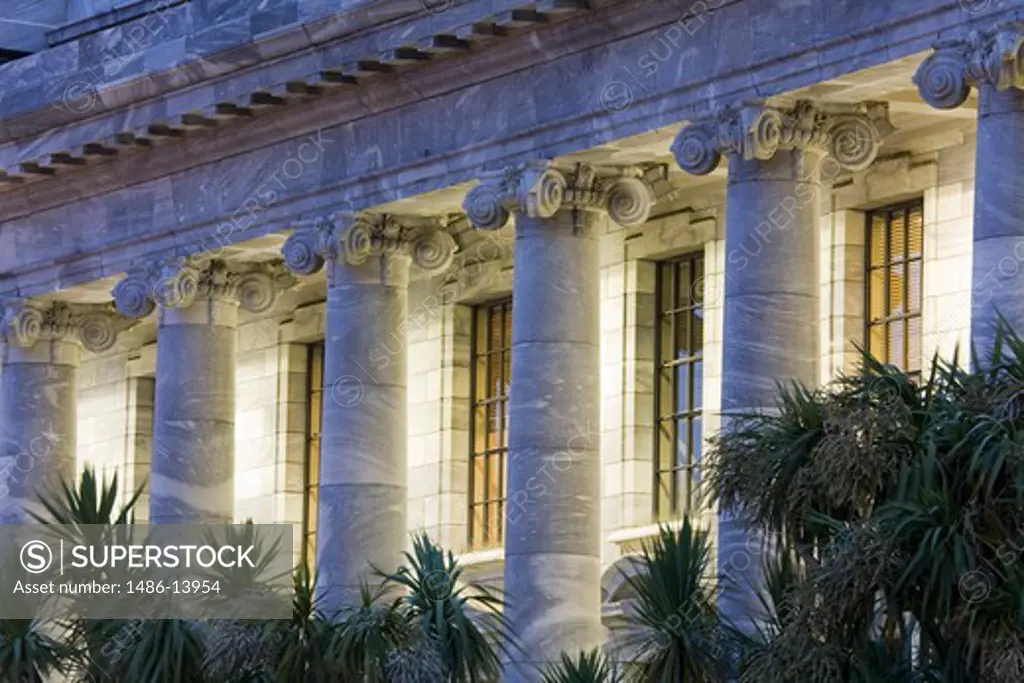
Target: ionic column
pixel 192 478
pixel 363 444
pixel 41 345
pixel 776 161
pixel 552 535
pixel 992 62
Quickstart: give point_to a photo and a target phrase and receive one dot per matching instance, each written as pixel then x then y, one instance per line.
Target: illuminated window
pixel 894 269
pixel 311 484
pixel 491 369
pixel 679 390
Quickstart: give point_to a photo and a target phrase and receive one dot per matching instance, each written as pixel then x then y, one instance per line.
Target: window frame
pixel 679 508
pixel 314 426
pixel 906 316
pixel 491 538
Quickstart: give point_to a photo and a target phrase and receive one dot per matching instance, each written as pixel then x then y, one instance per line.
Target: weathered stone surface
pixel 552 577
pixel 363 439
pixel 992 61
pixel 379 162
pixel 38 426
pixel 192 478
pixel 998 283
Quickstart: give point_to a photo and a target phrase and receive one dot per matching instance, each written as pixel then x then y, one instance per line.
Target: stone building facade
pixel 488 269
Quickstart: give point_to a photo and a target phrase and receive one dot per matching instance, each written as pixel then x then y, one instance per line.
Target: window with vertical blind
pixel 311 480
pixel 490 377
pixel 894 275
pixel 679 389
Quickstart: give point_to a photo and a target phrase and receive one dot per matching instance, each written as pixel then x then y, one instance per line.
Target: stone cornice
pixel 206 110
pixel 355 238
pixel 182 281
pixel 542 188
pixel 996 57
pixel 850 135
pixel 71 211
pixel 96 327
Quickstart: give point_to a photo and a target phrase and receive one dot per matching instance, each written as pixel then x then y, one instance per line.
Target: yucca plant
pixel 305 649
pixel 465 620
pixel 904 501
pixel 417 661
pixel 162 651
pixel 87 511
pixel 366 635
pixel 30 654
pixel 585 667
pixel 683 638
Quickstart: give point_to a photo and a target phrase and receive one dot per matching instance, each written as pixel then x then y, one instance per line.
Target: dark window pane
pixel 697 329
pixel 682 335
pixel 682 444
pixel 665 443
pixel 697 373
pixel 665 343
pixel 697 443
pixel 679 381
pixel 682 387
pixel 685 279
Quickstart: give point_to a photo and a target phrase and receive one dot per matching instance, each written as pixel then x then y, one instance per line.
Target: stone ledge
pixel 184 115
pixel 480 558
pixel 108 19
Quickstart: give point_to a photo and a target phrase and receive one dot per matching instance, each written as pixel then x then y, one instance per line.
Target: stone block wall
pixel 945 181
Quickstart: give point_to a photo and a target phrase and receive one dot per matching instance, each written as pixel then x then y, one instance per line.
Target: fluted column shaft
pixel 993 62
pixel 552 537
pixel 192 478
pixel 38 423
pixel 553 517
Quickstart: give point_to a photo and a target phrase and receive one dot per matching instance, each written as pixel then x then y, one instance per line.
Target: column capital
pixel 993 57
pixel 95 326
pixel 182 281
pixel 540 189
pixel 850 134
pixel 355 238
